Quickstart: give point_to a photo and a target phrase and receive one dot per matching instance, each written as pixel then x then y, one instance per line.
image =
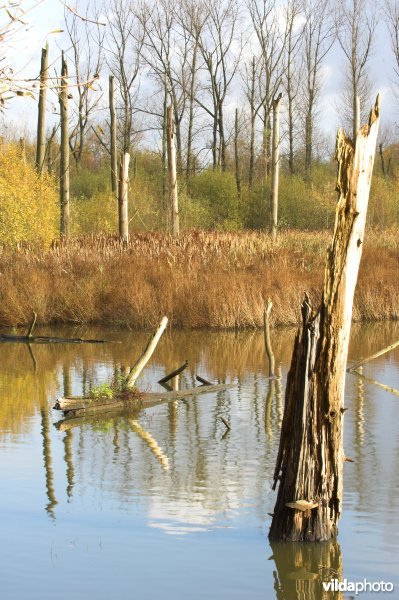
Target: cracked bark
pixel 310 459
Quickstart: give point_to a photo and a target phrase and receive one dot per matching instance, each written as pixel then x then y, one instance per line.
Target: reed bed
pixel 200 280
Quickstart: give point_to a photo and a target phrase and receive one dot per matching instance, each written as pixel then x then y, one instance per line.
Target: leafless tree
pixel 124 43
pixel 293 72
pixel 318 36
pixel 272 38
pixel 391 15
pixel 191 15
pixel 87 40
pixel 355 23
pixel 221 51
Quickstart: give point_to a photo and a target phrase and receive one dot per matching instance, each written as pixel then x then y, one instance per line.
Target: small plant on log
pixel 103 390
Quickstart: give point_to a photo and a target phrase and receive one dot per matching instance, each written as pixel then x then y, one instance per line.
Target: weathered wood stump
pixel 309 466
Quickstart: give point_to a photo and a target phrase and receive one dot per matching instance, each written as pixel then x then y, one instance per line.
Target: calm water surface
pixel 164 504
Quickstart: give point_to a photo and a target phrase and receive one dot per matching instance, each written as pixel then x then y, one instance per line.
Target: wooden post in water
pixel 114 158
pixel 309 466
pixel 41 117
pixel 275 167
pixel 173 197
pixel 266 332
pixel 64 160
pixel 123 196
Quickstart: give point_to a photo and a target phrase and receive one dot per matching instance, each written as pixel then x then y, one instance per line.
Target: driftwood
pixel 174 373
pixel 29 338
pixel 309 463
pixel 354 369
pixel 145 357
pixel 78 406
pixel 373 356
pixel 128 397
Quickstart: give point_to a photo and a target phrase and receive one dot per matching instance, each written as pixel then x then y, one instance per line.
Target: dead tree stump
pixel 309 466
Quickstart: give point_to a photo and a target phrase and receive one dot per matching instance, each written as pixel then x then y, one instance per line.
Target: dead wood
pixel 309 464
pixel 130 399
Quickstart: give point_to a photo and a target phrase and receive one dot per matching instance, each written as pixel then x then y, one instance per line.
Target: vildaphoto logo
pixel 357 586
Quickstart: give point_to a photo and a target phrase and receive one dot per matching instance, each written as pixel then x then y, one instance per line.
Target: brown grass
pixel 201 280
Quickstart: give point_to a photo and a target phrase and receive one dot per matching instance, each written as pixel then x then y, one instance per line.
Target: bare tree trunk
pixel 173 197
pixel 252 125
pixel 41 117
pixel 222 140
pixel 123 196
pixel 308 145
pixel 310 459
pixel 237 155
pixel 114 158
pixel 191 111
pixel 164 155
pixel 275 167
pixel 356 115
pixel 64 162
pixel 381 153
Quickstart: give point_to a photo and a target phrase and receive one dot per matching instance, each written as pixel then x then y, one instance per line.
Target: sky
pixel 48 16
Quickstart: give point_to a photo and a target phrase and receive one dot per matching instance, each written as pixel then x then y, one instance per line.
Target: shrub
pixel 216 193
pixel 28 204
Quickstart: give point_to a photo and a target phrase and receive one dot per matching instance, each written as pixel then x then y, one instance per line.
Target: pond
pixel 166 503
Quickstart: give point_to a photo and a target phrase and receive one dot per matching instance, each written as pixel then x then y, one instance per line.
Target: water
pixel 164 504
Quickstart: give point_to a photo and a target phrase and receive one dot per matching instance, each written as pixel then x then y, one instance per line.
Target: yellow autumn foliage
pixel 28 205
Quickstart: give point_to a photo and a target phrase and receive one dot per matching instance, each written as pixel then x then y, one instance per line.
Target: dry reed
pixel 201 280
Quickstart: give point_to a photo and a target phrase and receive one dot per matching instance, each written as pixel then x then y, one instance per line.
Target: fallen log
pixel 29 338
pixel 42 339
pixel 79 406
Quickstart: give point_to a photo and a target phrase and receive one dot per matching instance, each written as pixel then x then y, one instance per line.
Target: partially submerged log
pixel 309 463
pixel 78 406
pixel 29 338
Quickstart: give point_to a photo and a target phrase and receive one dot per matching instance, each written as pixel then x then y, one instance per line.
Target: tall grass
pixel 201 280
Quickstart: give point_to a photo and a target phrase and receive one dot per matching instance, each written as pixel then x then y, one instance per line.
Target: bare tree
pixel 221 60
pixel 250 78
pixel 166 51
pixel 124 42
pixel 356 23
pixel 191 15
pixel 86 41
pixel 64 161
pixel 272 39
pixel 318 36
pixel 391 15
pixel 293 73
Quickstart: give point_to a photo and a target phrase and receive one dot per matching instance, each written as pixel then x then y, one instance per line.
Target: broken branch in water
pixel 174 373
pixel 145 357
pixel 372 357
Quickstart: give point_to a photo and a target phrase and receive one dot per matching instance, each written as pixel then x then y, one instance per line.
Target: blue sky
pixel 48 15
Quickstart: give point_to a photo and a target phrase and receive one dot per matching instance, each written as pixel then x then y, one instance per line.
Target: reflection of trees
pixel 302 568
pixel 208 475
pixel 48 468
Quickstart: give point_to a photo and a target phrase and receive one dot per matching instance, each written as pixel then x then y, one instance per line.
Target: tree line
pixel 221 66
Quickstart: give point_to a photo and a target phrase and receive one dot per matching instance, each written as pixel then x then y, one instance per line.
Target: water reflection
pixel 48 466
pixel 302 568
pixel 175 464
